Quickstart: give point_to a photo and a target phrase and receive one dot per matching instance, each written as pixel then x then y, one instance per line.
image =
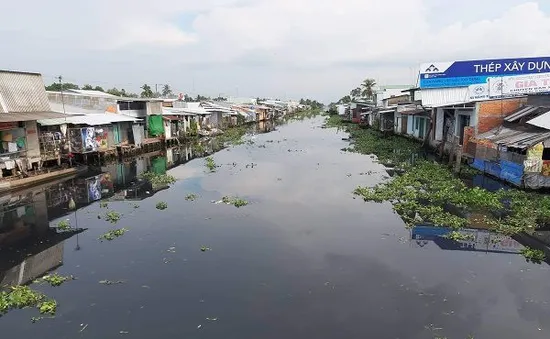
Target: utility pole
pixel 60 78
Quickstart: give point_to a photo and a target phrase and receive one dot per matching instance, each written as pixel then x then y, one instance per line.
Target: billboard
pixel 489 78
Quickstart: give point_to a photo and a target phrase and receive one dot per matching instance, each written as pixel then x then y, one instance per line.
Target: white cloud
pixel 317 48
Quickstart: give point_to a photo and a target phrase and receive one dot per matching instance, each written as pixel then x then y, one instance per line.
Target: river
pixel 303 259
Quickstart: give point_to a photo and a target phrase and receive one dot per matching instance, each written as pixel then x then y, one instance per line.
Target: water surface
pixel 303 260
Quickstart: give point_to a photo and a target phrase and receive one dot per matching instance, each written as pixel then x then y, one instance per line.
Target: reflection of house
pixel 23 101
pixel 474 240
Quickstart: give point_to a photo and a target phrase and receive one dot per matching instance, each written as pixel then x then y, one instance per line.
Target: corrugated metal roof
pixel 29 116
pixel 542 121
pixel 92 93
pixel 516 138
pixel 523 112
pixel 22 92
pixel 89 119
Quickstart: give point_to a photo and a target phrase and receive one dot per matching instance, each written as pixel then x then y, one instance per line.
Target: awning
pixel 387 111
pixel 414 112
pixel 172 117
pixel 88 119
pixel 30 116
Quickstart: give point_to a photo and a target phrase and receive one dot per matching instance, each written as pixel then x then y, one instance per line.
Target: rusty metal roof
pixel 22 92
pixel 515 137
pixel 29 116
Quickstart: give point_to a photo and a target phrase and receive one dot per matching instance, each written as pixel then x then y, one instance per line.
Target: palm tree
pixel 367 87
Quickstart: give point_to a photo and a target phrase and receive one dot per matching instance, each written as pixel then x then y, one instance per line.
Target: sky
pixel 286 49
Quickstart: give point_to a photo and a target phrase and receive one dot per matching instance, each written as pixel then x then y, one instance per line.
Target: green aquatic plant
pixel 533 255
pixel 55 279
pixel 210 164
pixel 191 197
pixel 113 234
pixel 48 307
pixel 18 297
pixel 235 201
pixel 158 179
pixel 457 236
pixel 103 204
pixel 112 217
pixel 161 205
pixel 64 225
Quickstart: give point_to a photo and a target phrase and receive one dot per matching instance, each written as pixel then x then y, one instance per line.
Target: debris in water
pixel 83 327
pixel 212 319
pixel 124 332
pixel 172 250
pixel 199 327
pixel 204 248
pixel 109 282
pixel 103 204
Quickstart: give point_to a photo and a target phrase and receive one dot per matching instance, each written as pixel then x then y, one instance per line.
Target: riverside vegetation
pixel 429 192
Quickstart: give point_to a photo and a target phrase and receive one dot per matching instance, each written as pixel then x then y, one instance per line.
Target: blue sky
pixel 285 48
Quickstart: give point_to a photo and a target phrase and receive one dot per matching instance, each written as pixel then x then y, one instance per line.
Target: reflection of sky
pixel 304 259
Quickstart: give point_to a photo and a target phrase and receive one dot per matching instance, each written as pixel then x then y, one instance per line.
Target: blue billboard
pixel 472 72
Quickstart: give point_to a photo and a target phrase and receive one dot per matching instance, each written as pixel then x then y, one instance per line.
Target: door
pixel 463 121
pixel 421 127
pixel 404 119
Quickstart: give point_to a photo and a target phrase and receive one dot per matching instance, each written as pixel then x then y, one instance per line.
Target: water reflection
pixel 474 240
pixel 29 247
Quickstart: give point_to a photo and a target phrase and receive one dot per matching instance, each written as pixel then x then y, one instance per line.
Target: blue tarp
pixel 511 172
pixel 505 170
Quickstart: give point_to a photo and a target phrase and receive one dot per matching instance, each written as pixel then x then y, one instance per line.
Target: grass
pixel 112 217
pixel 235 201
pixel 191 197
pixel 19 297
pixel 210 164
pixel 161 205
pixel 533 255
pixel 113 234
pixel 429 192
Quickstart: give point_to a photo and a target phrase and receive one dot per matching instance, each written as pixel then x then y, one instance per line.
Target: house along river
pixel 303 259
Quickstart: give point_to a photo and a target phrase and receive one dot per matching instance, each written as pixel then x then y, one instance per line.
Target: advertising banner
pixel 472 72
pixel 519 85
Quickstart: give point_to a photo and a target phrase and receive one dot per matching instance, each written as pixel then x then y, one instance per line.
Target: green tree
pixel 146 92
pixel 166 91
pixel 87 87
pixel 345 100
pixel 99 88
pixel 355 93
pixel 56 87
pixel 367 87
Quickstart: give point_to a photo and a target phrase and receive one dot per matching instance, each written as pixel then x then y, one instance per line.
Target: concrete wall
pixel 491 114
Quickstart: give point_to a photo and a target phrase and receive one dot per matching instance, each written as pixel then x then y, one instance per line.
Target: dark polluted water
pixel 302 260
